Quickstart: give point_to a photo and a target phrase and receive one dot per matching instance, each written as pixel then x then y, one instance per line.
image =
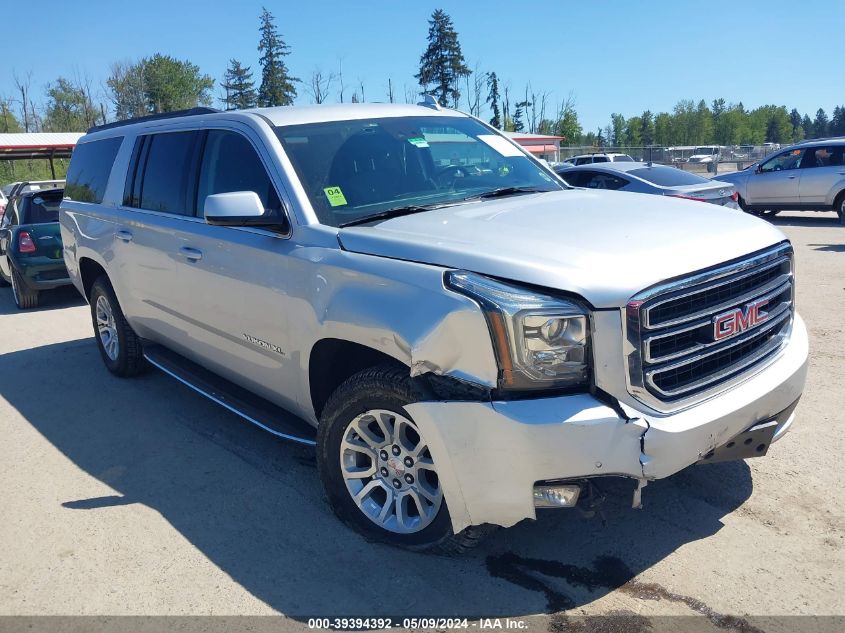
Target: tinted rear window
pixel 90 166
pixel 667 176
pixel 42 209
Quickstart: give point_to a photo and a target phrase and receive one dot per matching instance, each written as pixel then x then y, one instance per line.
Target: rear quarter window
pixel 90 166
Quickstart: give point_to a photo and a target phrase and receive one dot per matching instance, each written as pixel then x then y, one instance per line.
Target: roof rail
pixel 153 117
pixel 430 101
pixel 820 140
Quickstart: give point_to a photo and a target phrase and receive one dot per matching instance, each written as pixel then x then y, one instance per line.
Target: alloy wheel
pixel 389 472
pixel 106 328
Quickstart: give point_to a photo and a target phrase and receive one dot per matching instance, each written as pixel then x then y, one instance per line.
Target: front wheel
pixel 119 346
pixel 840 207
pixel 377 469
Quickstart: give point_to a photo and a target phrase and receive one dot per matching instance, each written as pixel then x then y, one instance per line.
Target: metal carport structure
pixel 38 145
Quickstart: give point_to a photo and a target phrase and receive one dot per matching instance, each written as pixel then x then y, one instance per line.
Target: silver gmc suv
pixel 461 336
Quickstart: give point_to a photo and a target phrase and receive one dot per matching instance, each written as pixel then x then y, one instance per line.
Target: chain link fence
pixel 704 159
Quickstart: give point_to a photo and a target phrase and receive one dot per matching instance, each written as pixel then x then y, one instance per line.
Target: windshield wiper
pixel 507 191
pixel 392 213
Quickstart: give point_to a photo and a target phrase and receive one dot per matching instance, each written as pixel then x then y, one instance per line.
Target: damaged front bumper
pixel 489 455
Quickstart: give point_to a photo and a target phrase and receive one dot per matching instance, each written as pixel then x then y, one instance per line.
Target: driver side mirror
pixel 758 169
pixel 239 208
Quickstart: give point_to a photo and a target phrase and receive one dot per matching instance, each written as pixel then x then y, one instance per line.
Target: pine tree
pixel 518 125
pixel 442 65
pixel 837 123
pixel 807 124
pixel 493 99
pixel 820 124
pixel 239 87
pixel 276 84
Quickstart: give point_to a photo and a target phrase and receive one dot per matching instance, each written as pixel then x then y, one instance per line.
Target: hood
pixel 604 246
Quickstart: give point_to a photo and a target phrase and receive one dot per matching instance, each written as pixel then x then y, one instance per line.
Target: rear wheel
pixel 376 467
pixel 839 205
pixel 119 346
pixel 25 298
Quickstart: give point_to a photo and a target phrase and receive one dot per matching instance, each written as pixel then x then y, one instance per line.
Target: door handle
pixel 123 235
pixel 792 177
pixel 191 254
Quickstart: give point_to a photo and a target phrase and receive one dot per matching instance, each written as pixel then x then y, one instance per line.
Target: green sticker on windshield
pixel 335 196
pixel 418 142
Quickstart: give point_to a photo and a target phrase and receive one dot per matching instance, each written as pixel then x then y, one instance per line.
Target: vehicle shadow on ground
pixel 811 219
pixel 64 297
pixel 253 505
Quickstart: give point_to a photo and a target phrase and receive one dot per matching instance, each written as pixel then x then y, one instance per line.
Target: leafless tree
pixel 410 94
pixel 340 78
pixel 361 86
pixel 475 83
pixel 390 90
pixel 28 116
pixel 320 85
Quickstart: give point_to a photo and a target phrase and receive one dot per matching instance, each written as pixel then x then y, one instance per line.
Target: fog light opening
pixel 556 495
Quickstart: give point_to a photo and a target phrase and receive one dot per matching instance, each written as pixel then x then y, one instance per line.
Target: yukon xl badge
pixel 264 344
pixel 739 320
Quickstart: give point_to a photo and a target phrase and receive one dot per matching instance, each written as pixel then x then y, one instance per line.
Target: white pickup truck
pixel 461 336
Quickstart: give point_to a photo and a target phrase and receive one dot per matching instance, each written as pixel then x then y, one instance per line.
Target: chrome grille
pixel 694 336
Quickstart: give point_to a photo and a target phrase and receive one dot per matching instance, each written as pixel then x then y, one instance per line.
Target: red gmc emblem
pixel 739 320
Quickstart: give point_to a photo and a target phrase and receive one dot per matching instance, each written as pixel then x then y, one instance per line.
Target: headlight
pixel 540 341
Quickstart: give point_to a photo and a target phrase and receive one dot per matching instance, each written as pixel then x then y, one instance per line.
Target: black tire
pixel 129 360
pixel 839 205
pixel 383 387
pixel 3 282
pixel 25 298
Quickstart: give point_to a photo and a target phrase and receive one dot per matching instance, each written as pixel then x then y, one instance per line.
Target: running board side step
pixel 263 413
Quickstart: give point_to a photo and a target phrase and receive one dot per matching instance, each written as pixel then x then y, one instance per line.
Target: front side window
pixel 90 166
pixel 605 181
pixel 354 169
pixel 790 159
pixel 230 163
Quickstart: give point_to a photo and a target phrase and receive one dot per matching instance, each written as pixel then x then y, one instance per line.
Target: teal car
pixel 31 259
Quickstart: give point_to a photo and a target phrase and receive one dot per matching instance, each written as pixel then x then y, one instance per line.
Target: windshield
pixel 355 169
pixel 704 150
pixel 623 158
pixel 667 176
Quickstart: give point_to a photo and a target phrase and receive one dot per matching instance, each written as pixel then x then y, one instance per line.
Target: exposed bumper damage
pixel 489 455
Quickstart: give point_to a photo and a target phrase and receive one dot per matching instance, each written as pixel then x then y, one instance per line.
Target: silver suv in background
pixel 809 176
pixel 462 338
pixel 588 159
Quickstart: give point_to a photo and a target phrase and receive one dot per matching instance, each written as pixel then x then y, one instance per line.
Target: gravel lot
pixel 140 497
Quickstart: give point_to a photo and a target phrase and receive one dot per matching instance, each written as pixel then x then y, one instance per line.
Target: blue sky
pixel 612 55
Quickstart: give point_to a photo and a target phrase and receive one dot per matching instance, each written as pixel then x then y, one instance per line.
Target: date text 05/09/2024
pixel 358 624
